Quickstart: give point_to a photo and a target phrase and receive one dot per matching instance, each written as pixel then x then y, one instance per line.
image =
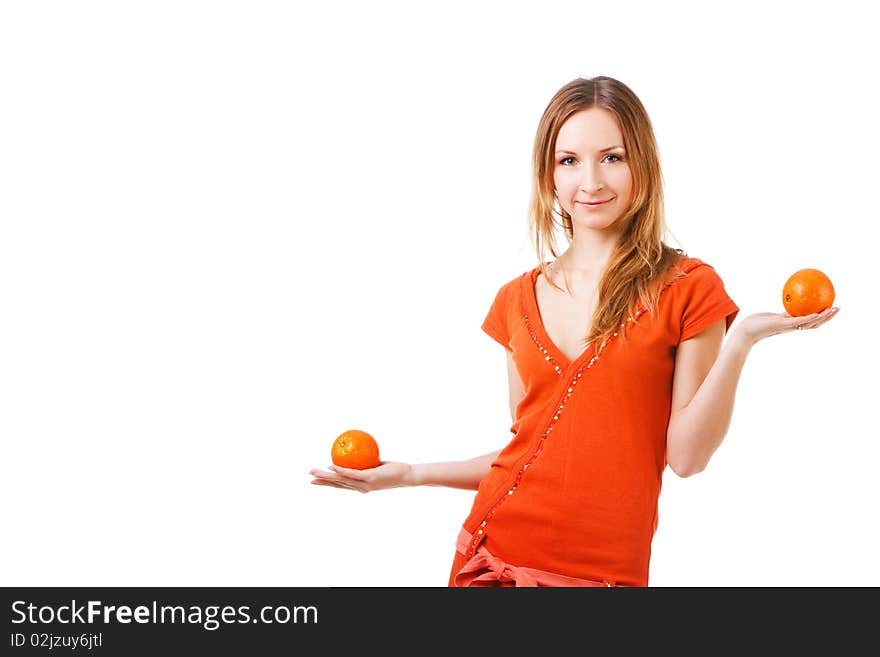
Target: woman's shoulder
pixel 699 297
pixel 685 264
pixel 688 267
pixel 510 290
pixel 689 273
pixel 513 285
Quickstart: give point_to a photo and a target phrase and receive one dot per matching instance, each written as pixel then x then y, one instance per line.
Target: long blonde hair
pixel 641 258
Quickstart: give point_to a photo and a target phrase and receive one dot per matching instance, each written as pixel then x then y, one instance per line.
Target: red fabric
pixel 575 492
pixel 485 569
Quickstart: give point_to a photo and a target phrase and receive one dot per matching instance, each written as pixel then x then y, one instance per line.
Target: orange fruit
pixel 807 291
pixel 355 449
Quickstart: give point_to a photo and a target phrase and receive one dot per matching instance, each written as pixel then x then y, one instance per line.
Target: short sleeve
pixel 702 301
pixel 496 322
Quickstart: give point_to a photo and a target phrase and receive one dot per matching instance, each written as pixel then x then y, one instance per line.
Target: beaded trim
pixel 544 351
pixel 479 534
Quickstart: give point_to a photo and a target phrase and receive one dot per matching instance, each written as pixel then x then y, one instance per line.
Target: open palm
pixel 763 325
pixel 388 474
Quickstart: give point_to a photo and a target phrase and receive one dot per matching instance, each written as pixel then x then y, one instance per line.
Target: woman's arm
pixel 703 390
pixel 454 474
pixel 465 474
pixel 704 384
pixel 390 474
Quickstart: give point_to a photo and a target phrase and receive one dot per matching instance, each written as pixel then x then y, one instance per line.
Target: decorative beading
pixel 478 535
pixel 541 347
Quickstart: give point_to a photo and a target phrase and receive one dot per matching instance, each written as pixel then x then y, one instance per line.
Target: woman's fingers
pixel 803 320
pixel 327 476
pixel 814 320
pixel 335 475
pixel 349 472
pixel 826 315
pixel 334 484
pixel 335 470
pixel 338 478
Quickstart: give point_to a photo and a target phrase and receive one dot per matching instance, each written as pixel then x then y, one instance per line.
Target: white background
pixel 232 230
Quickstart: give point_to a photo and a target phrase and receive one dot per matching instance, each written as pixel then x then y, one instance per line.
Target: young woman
pixel 615 363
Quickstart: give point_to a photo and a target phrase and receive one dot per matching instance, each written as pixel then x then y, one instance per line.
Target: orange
pixel 355 449
pixel 807 291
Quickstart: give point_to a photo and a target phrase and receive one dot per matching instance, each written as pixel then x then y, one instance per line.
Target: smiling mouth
pixel 593 204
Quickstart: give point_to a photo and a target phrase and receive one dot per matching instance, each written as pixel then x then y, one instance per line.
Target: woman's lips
pixel 593 205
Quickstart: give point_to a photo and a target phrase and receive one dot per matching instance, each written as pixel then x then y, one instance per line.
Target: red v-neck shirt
pixel 576 490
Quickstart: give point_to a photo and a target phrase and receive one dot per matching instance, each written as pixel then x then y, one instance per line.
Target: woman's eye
pixel 617 158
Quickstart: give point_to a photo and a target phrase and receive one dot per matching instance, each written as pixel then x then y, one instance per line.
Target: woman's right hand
pixel 387 474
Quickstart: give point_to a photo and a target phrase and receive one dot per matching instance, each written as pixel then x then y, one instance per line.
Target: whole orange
pixel 355 449
pixel 807 291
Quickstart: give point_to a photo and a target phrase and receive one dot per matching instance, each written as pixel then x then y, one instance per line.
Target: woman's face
pixel 592 166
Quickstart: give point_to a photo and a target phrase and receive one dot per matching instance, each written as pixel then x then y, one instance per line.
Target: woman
pixel 615 363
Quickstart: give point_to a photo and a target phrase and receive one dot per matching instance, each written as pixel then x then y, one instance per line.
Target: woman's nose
pixel 591 179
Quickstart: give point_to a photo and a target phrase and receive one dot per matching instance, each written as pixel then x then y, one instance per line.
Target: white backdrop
pixel 232 230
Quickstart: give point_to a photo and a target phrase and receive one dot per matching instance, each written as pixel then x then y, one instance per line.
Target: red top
pixel 575 491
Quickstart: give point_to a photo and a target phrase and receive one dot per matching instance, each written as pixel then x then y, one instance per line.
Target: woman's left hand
pixel 763 325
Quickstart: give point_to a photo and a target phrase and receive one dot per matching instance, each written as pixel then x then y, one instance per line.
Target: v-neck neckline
pixel 537 324
pixel 530 297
